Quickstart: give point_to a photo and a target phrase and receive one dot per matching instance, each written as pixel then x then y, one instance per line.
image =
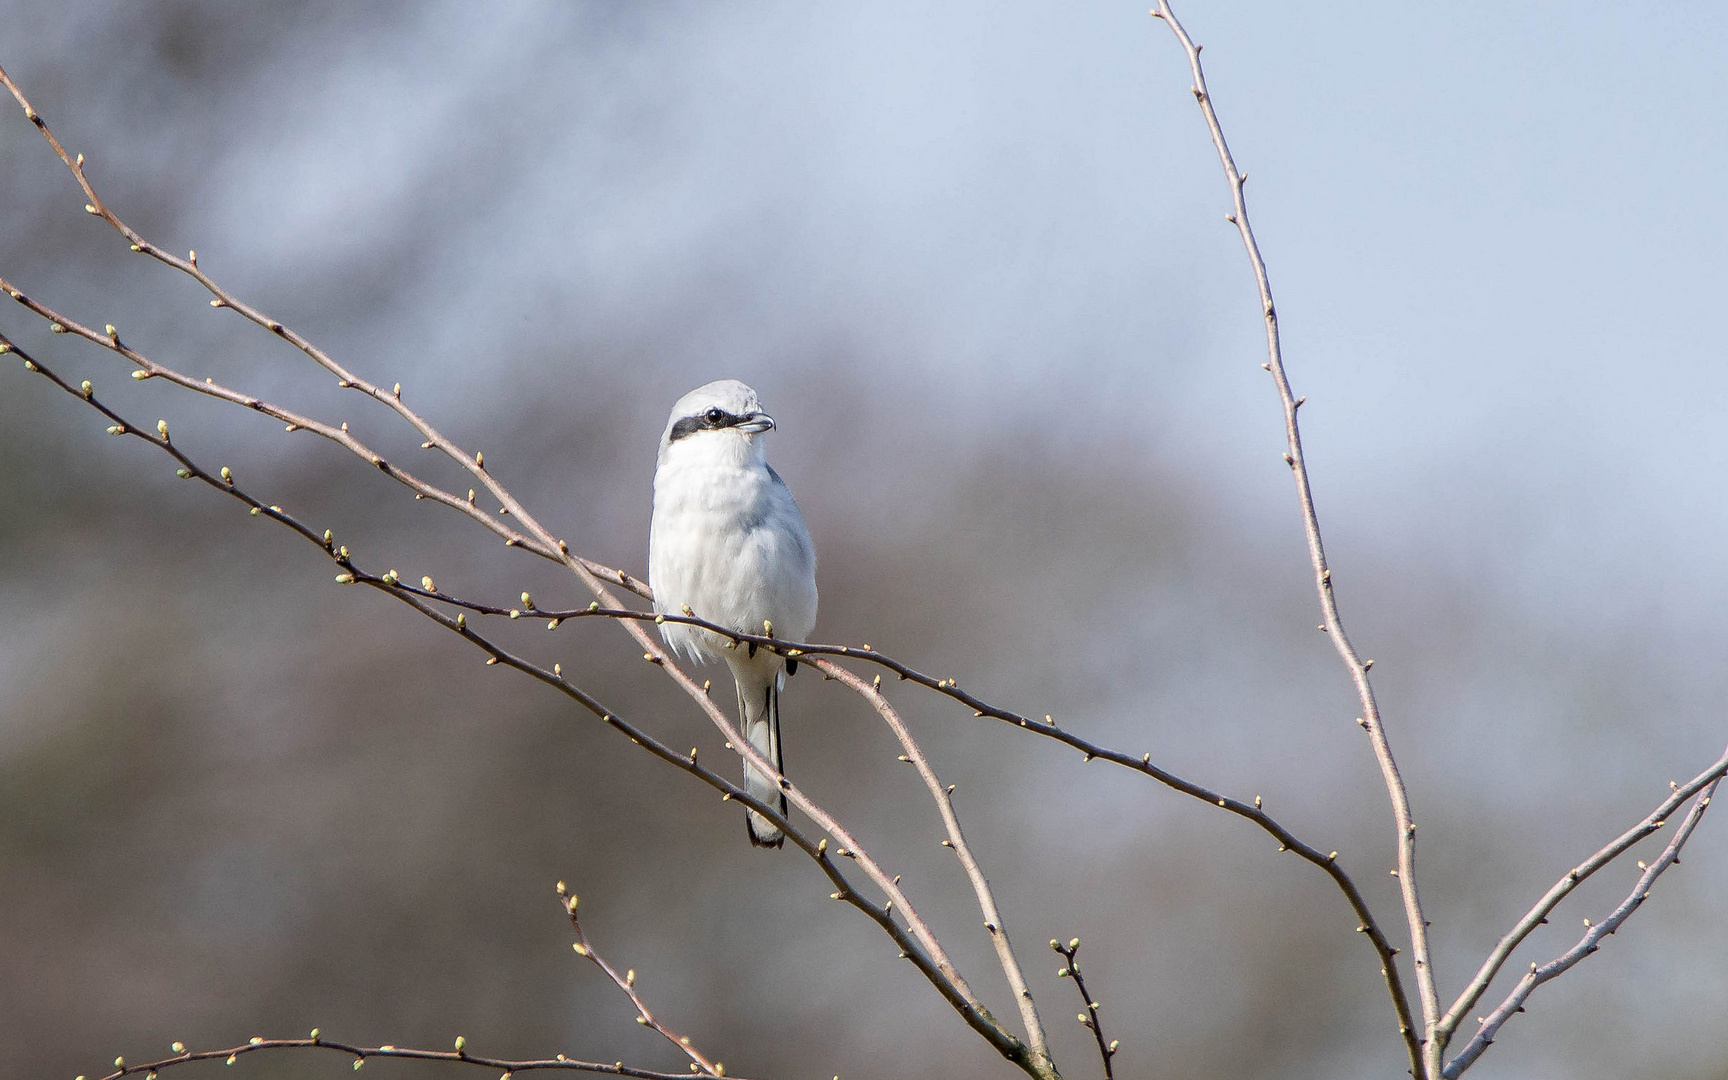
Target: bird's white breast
pixel 728 541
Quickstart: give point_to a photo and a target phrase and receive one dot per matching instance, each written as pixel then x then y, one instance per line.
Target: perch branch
pixel 1326 861
pixel 911 939
pixel 653 650
pixel 546 544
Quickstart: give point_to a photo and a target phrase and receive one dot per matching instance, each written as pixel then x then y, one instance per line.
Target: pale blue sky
pixel 1494 232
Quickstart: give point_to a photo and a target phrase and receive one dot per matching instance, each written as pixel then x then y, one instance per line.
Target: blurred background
pixel 974 259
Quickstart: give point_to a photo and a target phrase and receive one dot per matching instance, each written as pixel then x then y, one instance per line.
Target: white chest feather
pixel 728 542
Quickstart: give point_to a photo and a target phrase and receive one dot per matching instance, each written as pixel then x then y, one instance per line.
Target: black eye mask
pixel 709 420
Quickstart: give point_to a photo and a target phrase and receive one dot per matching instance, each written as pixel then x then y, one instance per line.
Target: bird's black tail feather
pixel 759 709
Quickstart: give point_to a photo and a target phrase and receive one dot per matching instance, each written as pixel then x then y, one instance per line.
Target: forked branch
pixel 1705 782
pixel 1589 943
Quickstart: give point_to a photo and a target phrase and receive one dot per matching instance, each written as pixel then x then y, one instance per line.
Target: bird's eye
pixel 714 417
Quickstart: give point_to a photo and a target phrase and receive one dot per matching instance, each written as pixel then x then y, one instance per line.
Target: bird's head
pixel 722 418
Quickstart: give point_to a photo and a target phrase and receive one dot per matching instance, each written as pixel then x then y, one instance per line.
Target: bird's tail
pixel 759 712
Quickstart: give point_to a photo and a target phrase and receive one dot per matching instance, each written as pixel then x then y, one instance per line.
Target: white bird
pixel 728 545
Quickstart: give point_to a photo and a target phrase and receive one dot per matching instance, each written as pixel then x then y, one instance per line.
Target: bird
pixel 728 544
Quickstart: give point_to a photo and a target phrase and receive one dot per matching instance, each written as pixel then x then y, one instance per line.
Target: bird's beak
pixel 756 422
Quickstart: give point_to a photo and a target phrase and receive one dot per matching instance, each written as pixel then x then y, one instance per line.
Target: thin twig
pixel 109 339
pixel 909 939
pixel 360 1054
pixel 1589 943
pixel 1089 1018
pixel 474 464
pixel 1538 914
pixel 1424 1051
pixel 627 983
pixel 944 798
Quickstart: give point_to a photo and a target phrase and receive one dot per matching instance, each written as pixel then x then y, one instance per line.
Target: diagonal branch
pixel 145 368
pixel 1424 1051
pixel 541 543
pixel 912 939
pixel 944 797
pixel 1589 943
pixel 627 983
pixel 1538 914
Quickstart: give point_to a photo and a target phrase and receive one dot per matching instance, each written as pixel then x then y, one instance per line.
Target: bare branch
pixel 148 369
pixel 1089 1018
pixel 915 940
pixel 1538 914
pixel 655 652
pixel 627 983
pixel 1424 1051
pixel 360 1054
pixel 1254 812
pixel 538 539
pixel 944 798
pixel 1589 943
pixel 541 543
